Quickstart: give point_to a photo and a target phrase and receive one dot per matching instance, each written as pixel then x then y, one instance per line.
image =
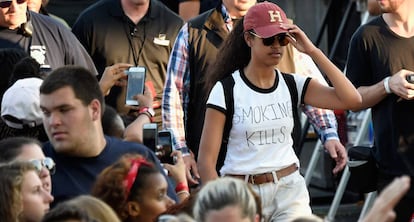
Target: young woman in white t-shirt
pixel 259 148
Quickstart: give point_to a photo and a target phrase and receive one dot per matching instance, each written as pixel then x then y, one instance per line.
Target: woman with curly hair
pixel 22 196
pixel 135 189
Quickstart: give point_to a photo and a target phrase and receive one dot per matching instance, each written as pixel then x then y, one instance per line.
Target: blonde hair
pixel 95 208
pixel 222 192
pixel 11 181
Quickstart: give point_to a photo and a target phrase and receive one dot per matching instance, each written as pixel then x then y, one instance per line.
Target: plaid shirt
pixel 177 87
pixel 322 120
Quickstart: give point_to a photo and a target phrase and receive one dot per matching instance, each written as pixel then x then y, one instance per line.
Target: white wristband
pixel 387 85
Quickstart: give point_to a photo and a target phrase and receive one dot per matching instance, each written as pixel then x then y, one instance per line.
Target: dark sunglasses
pixel 6 4
pixel 46 162
pixel 282 38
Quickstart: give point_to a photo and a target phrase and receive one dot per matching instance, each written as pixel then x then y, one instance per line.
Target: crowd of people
pixel 227 78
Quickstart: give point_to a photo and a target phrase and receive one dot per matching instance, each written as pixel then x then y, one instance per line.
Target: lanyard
pixel 131 34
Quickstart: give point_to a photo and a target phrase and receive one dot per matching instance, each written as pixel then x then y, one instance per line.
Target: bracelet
pixel 183 191
pixel 387 85
pixel 149 110
pixel 148 115
pixel 181 186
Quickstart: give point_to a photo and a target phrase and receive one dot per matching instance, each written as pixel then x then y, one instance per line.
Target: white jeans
pixel 284 200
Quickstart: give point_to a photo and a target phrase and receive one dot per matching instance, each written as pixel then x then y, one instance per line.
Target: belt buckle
pixel 251 178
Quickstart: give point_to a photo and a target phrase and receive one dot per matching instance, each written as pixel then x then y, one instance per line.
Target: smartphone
pixel 150 135
pixel 165 143
pixel 136 84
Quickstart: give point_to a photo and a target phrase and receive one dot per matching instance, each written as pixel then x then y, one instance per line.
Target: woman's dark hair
pixel 233 54
pixel 11 147
pixel 110 187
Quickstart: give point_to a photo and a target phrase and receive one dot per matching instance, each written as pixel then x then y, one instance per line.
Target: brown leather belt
pixel 267 177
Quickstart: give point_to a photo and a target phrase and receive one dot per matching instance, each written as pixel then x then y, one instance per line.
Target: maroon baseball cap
pixel 265 19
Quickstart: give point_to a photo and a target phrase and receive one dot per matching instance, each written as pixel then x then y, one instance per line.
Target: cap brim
pixel 269 31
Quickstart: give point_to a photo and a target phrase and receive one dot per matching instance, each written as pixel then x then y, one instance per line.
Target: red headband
pixel 132 173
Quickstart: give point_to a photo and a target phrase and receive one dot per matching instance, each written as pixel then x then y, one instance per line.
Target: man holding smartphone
pixel 140 33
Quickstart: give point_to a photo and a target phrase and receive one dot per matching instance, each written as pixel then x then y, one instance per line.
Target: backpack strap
pixel 228 85
pixel 297 128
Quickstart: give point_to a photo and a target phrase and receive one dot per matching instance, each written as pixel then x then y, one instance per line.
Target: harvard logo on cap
pixel 264 19
pixel 275 15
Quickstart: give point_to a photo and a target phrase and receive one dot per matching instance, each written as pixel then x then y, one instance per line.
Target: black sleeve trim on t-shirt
pixel 218 108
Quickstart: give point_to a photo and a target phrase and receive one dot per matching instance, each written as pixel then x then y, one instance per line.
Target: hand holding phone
pixel 164 148
pixel 136 84
pixel 114 75
pixel 177 170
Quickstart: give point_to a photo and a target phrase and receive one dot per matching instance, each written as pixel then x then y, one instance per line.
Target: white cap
pixel 22 101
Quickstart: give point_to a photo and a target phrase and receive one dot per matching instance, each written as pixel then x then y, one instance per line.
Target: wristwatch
pixel 147 111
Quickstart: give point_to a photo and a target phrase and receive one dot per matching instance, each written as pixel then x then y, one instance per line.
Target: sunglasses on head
pixel 47 162
pixel 6 4
pixel 282 38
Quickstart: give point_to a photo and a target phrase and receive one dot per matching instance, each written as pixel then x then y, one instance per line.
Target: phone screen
pixel 136 84
pixel 150 134
pixel 165 142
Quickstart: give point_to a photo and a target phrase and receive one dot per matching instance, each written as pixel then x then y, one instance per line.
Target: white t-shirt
pixel 260 140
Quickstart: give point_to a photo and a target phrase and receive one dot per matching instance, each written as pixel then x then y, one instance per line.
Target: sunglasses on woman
pixel 6 4
pixel 47 162
pixel 282 38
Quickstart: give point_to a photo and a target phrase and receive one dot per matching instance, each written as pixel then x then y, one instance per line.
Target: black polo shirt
pixel 111 37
